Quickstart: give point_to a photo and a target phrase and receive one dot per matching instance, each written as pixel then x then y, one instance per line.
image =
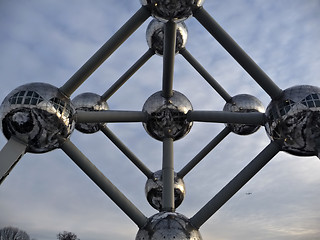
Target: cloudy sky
pixel 48 41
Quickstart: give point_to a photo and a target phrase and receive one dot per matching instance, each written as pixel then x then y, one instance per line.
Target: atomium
pixel 37 114
pixel 155 36
pixel 89 102
pixel 243 103
pixel 154 190
pixel 167 117
pixel 172 10
pixel 168 225
pixel 294 120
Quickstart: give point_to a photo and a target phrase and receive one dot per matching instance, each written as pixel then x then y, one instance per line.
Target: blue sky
pixel 47 41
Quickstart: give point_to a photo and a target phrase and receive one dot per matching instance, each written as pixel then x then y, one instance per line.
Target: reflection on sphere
pixel 154 189
pixel 167 118
pixel 294 119
pixel 89 102
pixel 168 225
pixel 155 36
pixel 165 10
pixel 243 103
pixel 36 114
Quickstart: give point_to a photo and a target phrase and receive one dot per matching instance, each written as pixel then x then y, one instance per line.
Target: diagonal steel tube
pixel 110 116
pixel 127 75
pixel 255 118
pixel 105 51
pixel 211 145
pixel 235 185
pixel 10 155
pixel 168 176
pixel 169 52
pixel 123 148
pixel 201 70
pixel 104 183
pixel 237 53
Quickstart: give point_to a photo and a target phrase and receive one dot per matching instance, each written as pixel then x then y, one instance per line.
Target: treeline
pixel 13 233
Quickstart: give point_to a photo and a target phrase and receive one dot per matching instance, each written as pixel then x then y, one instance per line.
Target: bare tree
pixel 12 233
pixel 66 236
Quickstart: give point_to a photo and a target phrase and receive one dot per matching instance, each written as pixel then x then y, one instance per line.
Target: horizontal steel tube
pixel 110 116
pixel 104 183
pixel 255 118
pixel 235 185
pixel 237 53
pixel 105 51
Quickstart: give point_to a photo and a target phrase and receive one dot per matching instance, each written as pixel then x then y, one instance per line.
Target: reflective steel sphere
pixel 175 10
pixel 169 226
pixel 154 188
pixel 89 102
pixel 243 103
pixel 36 114
pixel 294 119
pixel 155 36
pixel 167 118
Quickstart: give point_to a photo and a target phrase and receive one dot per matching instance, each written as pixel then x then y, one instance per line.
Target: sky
pixel 48 41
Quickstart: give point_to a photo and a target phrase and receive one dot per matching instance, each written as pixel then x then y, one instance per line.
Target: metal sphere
pixel 243 103
pixel 167 118
pixel 165 10
pixel 169 226
pixel 37 114
pixel 89 102
pixel 154 189
pixel 294 120
pixel 155 36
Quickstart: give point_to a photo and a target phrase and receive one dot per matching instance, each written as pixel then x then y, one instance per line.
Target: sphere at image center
pixel 167 118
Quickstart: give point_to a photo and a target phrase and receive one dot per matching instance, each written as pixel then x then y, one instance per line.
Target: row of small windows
pixel 26 97
pixel 33 98
pixel 312 100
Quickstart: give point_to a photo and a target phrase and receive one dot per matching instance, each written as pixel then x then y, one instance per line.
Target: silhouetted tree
pixel 12 233
pixel 67 236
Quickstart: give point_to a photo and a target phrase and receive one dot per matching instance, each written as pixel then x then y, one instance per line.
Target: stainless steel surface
pixel 89 102
pixel 294 119
pixel 36 114
pixel 243 103
pixel 165 10
pixel 167 118
pixel 155 36
pixel 166 225
pixel 154 190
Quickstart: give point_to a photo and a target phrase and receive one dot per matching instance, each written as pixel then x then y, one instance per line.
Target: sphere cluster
pixel 243 103
pixel 168 225
pixel 37 114
pixel 154 189
pixel 89 102
pixel 294 120
pixel 155 36
pixel 174 10
pixel 167 118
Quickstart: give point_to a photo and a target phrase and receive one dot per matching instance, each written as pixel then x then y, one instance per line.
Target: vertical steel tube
pixel 103 183
pixel 235 185
pixel 127 75
pixel 237 53
pixel 201 70
pixel 168 176
pixel 168 58
pixel 123 148
pixel 214 142
pixel 105 51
